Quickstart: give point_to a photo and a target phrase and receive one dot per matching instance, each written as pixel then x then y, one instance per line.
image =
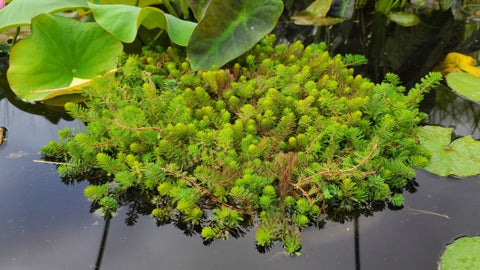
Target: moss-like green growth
pixel 277 138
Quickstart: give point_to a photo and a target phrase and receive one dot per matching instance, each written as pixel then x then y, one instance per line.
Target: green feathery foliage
pixel 277 138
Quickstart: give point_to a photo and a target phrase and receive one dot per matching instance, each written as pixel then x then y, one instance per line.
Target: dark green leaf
pixel 342 8
pixel 198 7
pixel 229 28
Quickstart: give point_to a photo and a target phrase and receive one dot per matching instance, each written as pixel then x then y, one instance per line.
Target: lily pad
pixel 463 254
pixel 229 28
pixel 20 12
pixel 60 53
pixel 458 158
pixel 465 84
pixel 404 18
pixel 132 17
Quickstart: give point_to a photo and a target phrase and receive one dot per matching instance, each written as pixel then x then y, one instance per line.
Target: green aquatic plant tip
pixel 274 139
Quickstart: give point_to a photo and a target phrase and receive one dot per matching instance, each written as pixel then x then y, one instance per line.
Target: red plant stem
pixel 140 128
pixel 313 142
pixel 343 171
pixel 203 190
pixel 100 144
pixel 302 190
pixel 149 78
pixel 420 92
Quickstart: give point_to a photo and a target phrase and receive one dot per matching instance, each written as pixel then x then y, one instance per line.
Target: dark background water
pixel 47 224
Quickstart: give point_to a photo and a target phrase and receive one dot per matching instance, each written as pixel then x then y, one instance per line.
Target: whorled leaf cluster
pixel 277 138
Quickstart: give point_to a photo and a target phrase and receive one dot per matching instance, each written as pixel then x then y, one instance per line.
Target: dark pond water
pixel 46 224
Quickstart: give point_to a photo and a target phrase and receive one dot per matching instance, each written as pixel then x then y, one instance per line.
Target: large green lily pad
pixel 229 28
pixel 458 158
pixel 465 84
pixel 60 54
pixel 463 254
pixel 132 17
pixel 20 12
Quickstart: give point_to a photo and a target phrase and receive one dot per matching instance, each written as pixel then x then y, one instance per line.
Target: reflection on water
pixel 451 110
pixel 47 224
pixel 41 218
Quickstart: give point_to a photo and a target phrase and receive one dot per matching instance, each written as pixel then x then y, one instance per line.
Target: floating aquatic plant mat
pixel 274 139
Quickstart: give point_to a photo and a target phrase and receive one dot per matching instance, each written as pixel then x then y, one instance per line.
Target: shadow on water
pixel 48 224
pixel 52 114
pixel 103 243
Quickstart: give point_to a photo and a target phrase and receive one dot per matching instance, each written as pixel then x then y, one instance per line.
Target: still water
pixel 46 224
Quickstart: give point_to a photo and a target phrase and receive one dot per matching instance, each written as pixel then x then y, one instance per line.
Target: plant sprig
pixel 277 138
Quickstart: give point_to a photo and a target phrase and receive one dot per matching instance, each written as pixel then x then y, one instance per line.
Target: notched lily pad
pixel 458 158
pixel 462 254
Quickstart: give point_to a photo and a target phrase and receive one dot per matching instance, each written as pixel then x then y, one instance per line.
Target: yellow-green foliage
pixel 278 137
